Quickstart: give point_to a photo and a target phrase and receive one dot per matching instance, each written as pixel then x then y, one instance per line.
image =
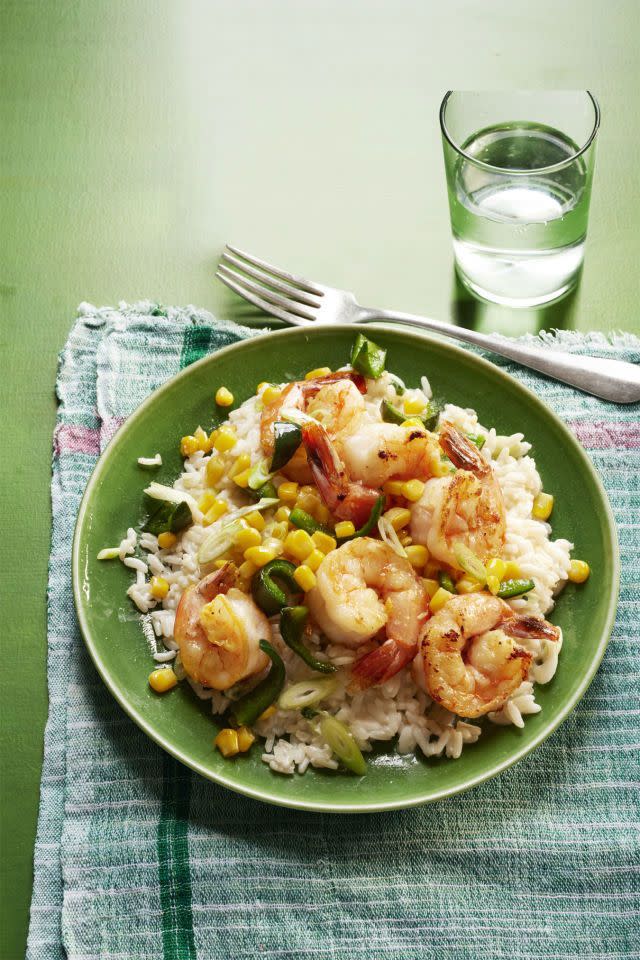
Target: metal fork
pixel 303 302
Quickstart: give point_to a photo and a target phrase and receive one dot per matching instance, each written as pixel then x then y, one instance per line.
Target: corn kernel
pixel 579 571
pixel 468 584
pixel 393 488
pixel 322 514
pixel 206 501
pixel 314 559
pixel 269 712
pixel 413 405
pixel 542 506
pixel 217 510
pixel 398 517
pixel 259 555
pixel 323 541
pixel 159 588
pixel 405 538
pixel 298 545
pixel 511 570
pixel 271 393
pixel 262 385
pixel 344 529
pixel 282 514
pixel 220 562
pixel 437 466
pixel 413 422
pixel 309 502
pixel 245 739
pixel 247 537
pixel 431 586
pixel 166 540
pixel 162 680
pixel 224 397
pixel 280 530
pixel 305 578
pixel 255 520
pixel 246 570
pixel 318 372
pixel 412 490
pixel 227 742
pixel 225 440
pixel 495 568
pixel 189 445
pixel 438 600
pixel 241 463
pixel 288 491
pixel 214 471
pixel 203 440
pixel 417 555
pixel 242 479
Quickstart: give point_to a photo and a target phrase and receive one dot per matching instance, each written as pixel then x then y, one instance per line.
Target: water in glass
pixel 519 236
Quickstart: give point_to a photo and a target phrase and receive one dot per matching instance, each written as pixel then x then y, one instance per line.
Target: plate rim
pixel 265 795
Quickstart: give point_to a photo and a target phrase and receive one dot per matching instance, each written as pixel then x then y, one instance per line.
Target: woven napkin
pixel 137 857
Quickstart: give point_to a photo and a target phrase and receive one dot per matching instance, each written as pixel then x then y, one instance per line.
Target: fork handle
pixel 615 380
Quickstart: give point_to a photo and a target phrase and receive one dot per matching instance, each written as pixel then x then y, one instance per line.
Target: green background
pixel 139 136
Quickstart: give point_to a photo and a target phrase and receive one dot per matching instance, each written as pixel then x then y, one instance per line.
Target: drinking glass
pixel 519 170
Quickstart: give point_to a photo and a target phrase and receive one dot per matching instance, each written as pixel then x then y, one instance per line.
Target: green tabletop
pixel 139 136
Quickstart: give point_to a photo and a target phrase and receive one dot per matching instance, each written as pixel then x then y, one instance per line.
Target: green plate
pixel 183 725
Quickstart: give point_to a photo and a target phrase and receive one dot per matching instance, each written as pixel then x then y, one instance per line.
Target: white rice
pixel 400 708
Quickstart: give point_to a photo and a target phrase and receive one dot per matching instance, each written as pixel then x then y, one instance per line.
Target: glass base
pixel 509 301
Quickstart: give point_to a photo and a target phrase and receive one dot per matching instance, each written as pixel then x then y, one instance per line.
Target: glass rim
pixel 518 171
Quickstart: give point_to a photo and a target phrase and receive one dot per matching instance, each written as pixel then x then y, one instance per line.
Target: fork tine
pixel 275 298
pixel 259 302
pixel 294 292
pixel 281 274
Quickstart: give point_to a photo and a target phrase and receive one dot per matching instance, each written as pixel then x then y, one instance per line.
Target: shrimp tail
pixel 347 499
pixel 462 452
pixel 218 582
pixel 381 664
pixel 521 627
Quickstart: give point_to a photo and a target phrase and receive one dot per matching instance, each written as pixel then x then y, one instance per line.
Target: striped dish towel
pixel 137 858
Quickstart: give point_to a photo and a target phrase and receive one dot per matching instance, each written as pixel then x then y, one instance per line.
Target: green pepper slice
pixel 515 588
pixel 367 357
pixel 266 490
pixel 267 592
pixel 391 414
pixel 367 527
pixel 304 521
pixel 293 620
pixel 287 439
pixel 247 709
pixel 167 517
pixel 446 581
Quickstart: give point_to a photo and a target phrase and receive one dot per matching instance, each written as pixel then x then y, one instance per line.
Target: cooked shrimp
pixel 218 629
pixel 362 589
pixel 470 660
pixel 295 397
pixel 466 507
pixel 347 499
pixel 377 452
pixel 339 407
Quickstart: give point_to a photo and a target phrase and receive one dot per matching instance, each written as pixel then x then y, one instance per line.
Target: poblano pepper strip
pixel 167 517
pixel 514 588
pixel 266 586
pixel 367 357
pixel 304 521
pixel 266 490
pixel 428 417
pixel 287 439
pixel 372 522
pixel 293 620
pixel 246 711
